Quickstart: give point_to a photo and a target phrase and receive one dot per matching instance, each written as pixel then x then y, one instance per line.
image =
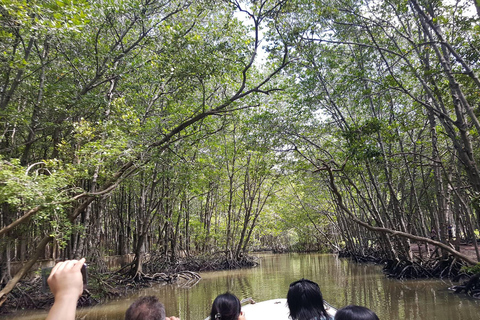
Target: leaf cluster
pixel 46 184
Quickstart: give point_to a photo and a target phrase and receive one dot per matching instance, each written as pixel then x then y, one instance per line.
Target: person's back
pixel 355 313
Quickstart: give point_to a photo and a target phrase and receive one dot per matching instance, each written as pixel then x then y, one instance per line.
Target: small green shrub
pixel 472 269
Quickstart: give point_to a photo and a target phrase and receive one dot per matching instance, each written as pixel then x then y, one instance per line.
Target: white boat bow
pixel 275 309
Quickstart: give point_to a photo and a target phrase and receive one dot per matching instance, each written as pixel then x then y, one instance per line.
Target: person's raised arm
pixel 66 283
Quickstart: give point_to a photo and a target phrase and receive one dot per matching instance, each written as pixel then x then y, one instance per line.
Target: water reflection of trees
pixel 364 284
pixel 342 282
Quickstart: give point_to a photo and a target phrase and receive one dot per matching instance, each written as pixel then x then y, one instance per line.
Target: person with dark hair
pixel 226 307
pixel 305 301
pixel 355 313
pixel 450 232
pixel 147 308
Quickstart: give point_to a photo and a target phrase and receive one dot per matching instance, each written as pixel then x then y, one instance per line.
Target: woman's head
pixel 355 313
pixel 305 300
pixel 225 307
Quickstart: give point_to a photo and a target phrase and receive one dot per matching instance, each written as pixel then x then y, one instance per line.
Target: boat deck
pixel 273 309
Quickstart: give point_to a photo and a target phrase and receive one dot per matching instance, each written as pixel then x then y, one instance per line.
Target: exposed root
pixel 30 294
pixel 470 287
pixel 417 269
pixel 216 261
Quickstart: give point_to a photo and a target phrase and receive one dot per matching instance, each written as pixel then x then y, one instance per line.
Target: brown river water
pixel 342 282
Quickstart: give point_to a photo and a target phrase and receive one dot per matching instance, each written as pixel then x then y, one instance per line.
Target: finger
pixel 79 264
pixel 66 265
pixel 70 264
pixel 62 266
pixel 59 266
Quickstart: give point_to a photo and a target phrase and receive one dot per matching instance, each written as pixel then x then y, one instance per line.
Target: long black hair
pixel 355 313
pixel 305 301
pixel 225 307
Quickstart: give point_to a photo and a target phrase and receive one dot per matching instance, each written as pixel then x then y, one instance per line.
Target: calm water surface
pixel 341 281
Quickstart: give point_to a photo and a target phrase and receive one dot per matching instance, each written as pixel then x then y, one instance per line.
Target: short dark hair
pixel 355 313
pixel 226 307
pixel 305 301
pixel 146 308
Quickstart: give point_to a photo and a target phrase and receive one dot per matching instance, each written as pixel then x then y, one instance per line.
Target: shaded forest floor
pixel 423 251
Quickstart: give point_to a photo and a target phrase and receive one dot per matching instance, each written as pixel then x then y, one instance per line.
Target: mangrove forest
pixel 180 135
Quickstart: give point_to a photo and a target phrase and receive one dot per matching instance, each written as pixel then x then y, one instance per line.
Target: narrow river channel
pixel 341 281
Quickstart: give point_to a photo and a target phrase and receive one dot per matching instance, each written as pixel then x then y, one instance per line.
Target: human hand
pixel 172 318
pixel 65 280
